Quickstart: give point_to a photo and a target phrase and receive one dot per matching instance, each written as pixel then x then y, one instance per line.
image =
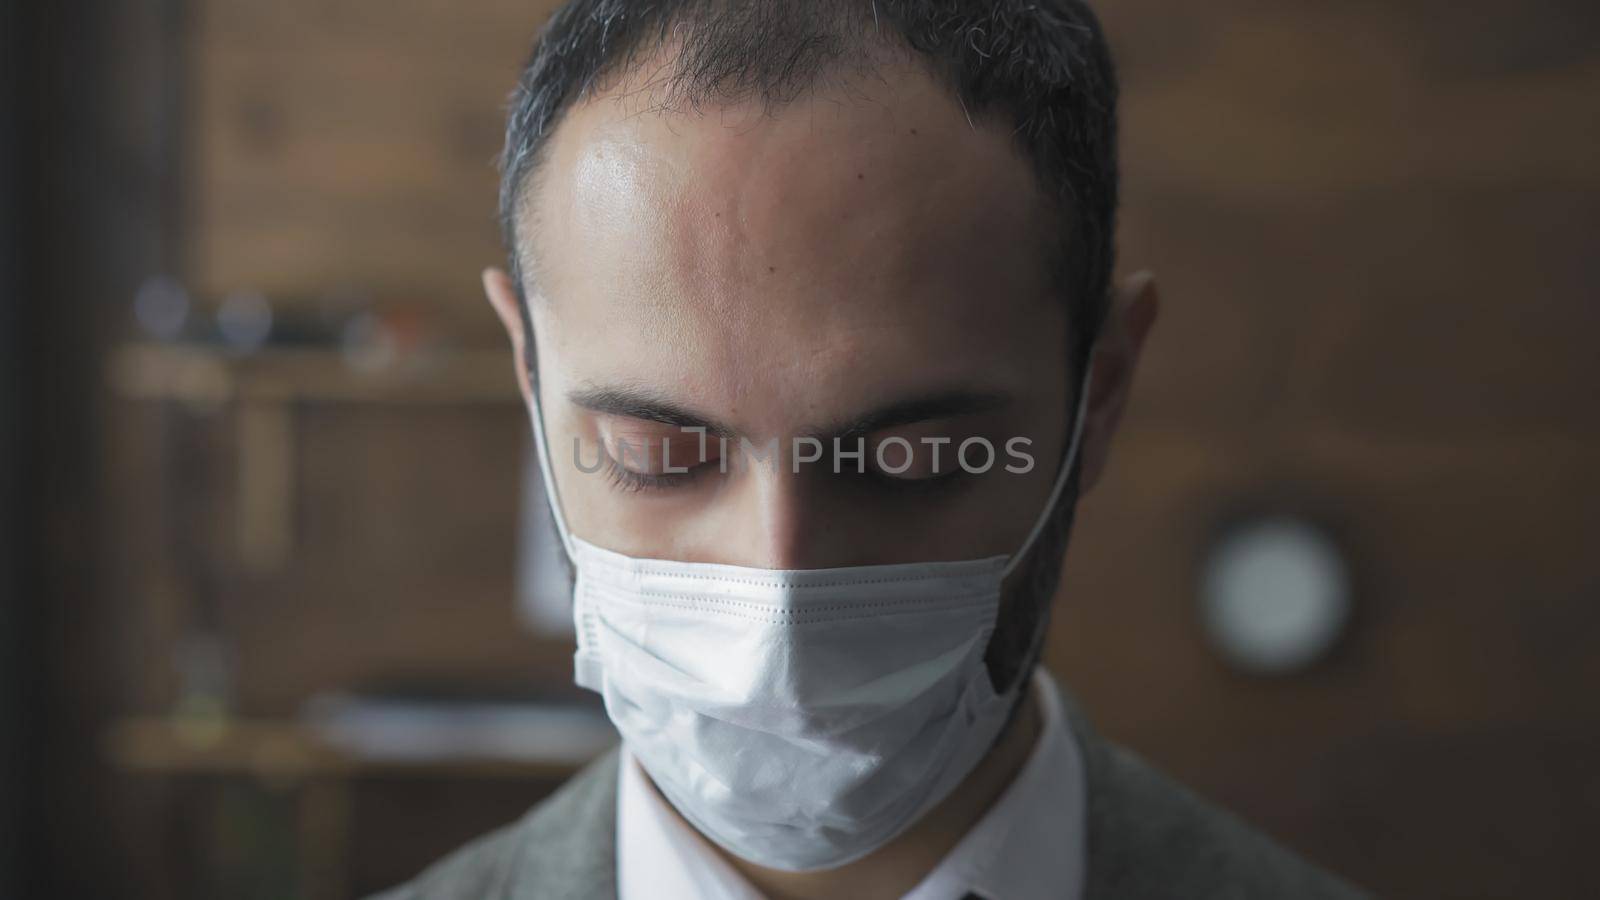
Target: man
pixel 812 307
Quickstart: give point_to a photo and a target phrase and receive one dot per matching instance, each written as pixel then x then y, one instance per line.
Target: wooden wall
pixel 1375 224
pixel 351 144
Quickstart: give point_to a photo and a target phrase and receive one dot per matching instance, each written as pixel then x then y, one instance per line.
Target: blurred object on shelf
pixel 205 690
pixel 374 341
pixel 372 336
pixel 161 307
pixel 244 321
pixel 198 374
pixel 430 726
pixel 346 735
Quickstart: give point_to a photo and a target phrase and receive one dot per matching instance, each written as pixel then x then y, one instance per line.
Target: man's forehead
pixel 893 149
pixel 865 219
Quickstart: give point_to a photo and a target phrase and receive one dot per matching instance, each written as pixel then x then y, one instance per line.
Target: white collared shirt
pixel 1029 846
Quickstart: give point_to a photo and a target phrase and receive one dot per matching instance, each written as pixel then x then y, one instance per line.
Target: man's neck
pixel 896 868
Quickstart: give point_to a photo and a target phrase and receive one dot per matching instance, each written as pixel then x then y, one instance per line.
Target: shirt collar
pixel 1031 844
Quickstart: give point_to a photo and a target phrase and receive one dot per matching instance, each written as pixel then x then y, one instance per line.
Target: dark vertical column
pixel 12 622
pixel 93 126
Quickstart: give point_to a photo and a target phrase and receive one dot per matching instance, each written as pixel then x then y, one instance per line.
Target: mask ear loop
pixel 1061 477
pixel 542 449
pixel 1036 642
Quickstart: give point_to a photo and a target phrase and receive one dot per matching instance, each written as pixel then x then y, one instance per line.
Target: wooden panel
pixel 351 145
pixel 1466 312
pixel 1375 226
pixel 1475 584
pixel 403 563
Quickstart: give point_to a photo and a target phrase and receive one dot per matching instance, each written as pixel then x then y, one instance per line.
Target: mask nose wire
pixel 552 493
pixel 1061 479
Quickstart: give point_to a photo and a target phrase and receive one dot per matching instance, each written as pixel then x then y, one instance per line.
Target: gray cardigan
pixel 1148 838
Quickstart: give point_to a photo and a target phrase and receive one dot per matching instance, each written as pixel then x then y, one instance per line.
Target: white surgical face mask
pixel 799 718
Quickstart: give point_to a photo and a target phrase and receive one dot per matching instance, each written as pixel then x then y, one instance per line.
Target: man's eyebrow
pixel 648 406
pixel 645 405
pixel 946 404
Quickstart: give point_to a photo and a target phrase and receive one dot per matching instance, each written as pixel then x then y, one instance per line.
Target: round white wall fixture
pixel 1274 595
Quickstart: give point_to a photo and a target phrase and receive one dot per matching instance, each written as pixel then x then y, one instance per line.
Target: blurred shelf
pixel 287 755
pixel 211 376
pixel 285 751
pixel 265 390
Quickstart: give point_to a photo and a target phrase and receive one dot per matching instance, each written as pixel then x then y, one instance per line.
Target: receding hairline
pixel 647 92
pixel 1044 66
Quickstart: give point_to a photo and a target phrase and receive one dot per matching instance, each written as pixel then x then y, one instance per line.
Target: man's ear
pixel 1133 313
pixel 503 297
pixel 507 305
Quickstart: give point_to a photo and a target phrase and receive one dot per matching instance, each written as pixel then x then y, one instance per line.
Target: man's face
pixel 860 262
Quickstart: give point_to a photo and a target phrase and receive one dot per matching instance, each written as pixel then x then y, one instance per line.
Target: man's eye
pixel 659 454
pixel 647 463
pixel 633 481
pixel 902 459
pixel 949 479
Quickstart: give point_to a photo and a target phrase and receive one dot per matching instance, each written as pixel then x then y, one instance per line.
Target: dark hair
pixel 1042 67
